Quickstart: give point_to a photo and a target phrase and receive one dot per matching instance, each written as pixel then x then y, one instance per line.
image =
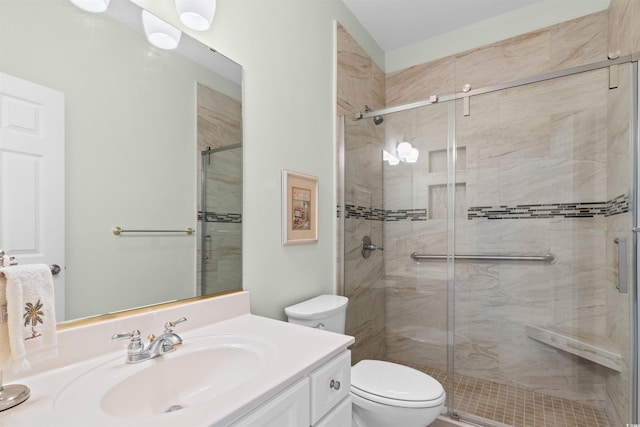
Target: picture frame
pixel 299 208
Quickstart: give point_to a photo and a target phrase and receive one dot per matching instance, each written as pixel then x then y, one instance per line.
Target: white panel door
pixel 32 176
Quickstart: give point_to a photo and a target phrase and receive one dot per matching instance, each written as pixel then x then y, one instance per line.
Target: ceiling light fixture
pixel 196 14
pixel 159 33
pixel 94 6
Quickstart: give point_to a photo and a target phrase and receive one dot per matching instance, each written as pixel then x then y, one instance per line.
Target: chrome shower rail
pixel 550 258
pixel 500 86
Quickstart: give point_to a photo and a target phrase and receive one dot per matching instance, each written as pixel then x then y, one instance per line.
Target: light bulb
pixel 94 6
pixel 160 33
pixel 196 14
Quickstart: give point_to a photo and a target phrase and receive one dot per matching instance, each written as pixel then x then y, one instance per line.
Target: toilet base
pixel 366 413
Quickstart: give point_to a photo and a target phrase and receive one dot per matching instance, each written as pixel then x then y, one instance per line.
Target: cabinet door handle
pixel 334 384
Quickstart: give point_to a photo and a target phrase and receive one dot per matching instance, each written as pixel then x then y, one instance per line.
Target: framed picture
pixel 299 208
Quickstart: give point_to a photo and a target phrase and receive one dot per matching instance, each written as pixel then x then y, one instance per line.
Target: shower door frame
pixel 635 218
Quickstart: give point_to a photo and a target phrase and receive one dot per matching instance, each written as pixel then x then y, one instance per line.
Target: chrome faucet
pixel 167 342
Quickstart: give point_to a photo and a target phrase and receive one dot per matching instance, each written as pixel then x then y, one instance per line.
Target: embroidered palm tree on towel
pixel 32 315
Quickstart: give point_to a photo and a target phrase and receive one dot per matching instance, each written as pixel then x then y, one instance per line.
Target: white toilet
pixel 384 394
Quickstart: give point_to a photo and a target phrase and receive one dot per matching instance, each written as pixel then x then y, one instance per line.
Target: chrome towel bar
pixel 118 231
pixel 550 258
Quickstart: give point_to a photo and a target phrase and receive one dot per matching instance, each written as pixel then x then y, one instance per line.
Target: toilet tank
pixel 326 312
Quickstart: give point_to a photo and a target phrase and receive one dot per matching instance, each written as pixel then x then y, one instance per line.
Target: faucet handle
pixel 136 343
pixel 168 327
pixel 135 334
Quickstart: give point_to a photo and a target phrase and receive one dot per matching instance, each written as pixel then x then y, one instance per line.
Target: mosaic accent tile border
pixel 406 214
pixel 374 214
pixel 362 212
pixel 617 205
pixel 230 218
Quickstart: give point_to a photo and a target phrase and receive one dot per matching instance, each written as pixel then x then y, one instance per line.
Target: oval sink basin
pixel 202 369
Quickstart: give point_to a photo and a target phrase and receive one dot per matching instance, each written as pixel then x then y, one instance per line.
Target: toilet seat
pixel 395 385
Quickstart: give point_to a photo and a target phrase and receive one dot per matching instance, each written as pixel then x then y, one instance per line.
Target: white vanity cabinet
pixel 340 416
pixel 320 400
pixel 330 385
pixel 289 408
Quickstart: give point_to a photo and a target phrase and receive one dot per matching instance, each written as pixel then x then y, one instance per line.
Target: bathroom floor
pixel 516 406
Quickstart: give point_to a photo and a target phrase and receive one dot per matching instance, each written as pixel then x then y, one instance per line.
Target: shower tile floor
pixel 514 406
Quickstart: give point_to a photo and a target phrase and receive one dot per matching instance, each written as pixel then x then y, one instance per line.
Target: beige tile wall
pixel 360 83
pixel 624 31
pixel 561 46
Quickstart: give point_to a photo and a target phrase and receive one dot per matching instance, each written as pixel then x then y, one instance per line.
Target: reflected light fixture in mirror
pixel 159 33
pixel 196 14
pixel 95 6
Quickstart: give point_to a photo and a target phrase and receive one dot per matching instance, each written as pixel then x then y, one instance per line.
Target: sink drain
pixel 174 408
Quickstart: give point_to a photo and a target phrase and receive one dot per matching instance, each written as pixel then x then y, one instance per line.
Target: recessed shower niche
pixel 438 203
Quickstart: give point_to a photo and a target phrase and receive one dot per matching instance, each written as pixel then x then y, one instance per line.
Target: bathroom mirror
pixel 137 120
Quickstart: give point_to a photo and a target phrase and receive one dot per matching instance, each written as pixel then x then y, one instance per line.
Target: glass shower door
pixel 542 334
pixel 420 201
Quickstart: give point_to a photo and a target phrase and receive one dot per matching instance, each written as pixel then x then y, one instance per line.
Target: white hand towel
pixel 31 318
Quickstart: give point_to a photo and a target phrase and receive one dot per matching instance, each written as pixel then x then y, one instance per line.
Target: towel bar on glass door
pixel 118 231
pixel 550 258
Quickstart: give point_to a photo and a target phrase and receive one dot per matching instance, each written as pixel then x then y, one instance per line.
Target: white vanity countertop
pixel 298 350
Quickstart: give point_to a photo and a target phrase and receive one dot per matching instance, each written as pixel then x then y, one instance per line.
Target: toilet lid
pixel 318 307
pixel 393 382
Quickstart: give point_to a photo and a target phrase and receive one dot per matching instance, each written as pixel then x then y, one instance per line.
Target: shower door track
pixel 501 86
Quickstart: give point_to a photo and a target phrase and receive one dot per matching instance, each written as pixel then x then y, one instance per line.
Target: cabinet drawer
pixel 329 385
pixel 340 416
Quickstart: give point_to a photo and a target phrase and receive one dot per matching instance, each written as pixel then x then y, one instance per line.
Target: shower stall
pixel 220 220
pixel 501 254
